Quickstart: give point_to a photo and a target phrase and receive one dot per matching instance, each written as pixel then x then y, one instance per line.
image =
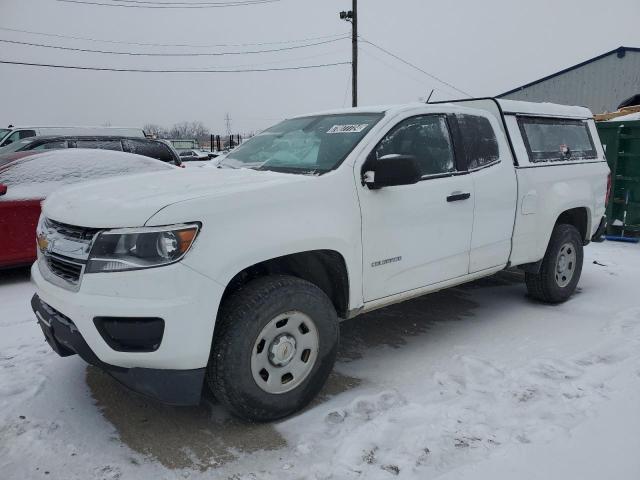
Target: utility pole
pixel 227 121
pixel 352 17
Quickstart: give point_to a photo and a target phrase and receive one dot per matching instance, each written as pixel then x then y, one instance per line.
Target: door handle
pixel 457 196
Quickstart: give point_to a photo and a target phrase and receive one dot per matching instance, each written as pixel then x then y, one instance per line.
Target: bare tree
pixel 182 130
pixel 155 130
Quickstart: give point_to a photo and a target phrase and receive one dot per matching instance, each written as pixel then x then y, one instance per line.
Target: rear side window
pixel 27 134
pixel 478 140
pixel 100 144
pixel 51 145
pixel 157 150
pixel 554 139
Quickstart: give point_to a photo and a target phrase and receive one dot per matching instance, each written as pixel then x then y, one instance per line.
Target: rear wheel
pixel 274 348
pixel 561 267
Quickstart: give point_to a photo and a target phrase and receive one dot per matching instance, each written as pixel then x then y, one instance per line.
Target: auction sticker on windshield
pixel 355 128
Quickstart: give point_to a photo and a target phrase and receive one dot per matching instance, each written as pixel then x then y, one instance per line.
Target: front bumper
pixel 185 300
pixel 174 387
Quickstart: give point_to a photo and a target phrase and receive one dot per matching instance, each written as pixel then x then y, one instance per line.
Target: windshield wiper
pixel 224 165
pixel 299 171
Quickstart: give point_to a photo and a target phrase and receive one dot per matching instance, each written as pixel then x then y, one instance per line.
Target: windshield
pixel 3 132
pixel 313 144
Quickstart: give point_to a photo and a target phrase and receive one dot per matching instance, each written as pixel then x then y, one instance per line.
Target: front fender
pixel 248 228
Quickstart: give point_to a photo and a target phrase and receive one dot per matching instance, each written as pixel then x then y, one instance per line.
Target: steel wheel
pixel 565 264
pixel 284 352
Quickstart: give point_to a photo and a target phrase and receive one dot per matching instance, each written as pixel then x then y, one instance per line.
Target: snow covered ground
pixel 477 382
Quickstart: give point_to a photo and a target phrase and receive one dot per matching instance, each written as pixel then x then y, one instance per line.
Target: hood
pixel 130 201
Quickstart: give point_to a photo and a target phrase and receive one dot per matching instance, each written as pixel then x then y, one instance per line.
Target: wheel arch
pixel 580 218
pixel 327 269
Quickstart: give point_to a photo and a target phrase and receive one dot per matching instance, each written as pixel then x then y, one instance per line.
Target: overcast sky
pixel 482 47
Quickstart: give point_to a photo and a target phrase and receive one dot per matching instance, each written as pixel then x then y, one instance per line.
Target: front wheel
pixel 274 348
pixel 561 267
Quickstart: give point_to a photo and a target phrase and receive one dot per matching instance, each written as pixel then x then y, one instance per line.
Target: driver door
pixel 417 235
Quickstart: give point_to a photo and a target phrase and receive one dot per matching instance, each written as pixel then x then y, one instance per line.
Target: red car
pixel 25 182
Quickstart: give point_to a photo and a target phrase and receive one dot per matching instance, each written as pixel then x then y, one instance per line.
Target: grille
pixel 64 250
pixel 70 231
pixel 64 268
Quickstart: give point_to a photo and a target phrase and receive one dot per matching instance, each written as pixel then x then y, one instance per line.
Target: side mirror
pixel 3 189
pixel 391 170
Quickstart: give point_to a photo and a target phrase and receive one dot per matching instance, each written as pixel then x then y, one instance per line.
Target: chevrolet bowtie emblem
pixel 43 242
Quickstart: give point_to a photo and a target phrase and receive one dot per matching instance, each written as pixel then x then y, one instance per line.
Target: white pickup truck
pixel 236 277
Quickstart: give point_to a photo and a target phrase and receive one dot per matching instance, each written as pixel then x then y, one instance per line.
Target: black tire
pixel 242 318
pixel 545 285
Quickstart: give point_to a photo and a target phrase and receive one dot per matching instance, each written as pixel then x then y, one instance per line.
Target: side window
pixel 19 135
pixel 27 133
pixel 555 139
pixel 157 150
pixel 100 144
pixel 426 138
pixel 51 145
pixel 479 141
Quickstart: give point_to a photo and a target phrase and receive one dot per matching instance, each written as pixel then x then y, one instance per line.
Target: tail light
pixel 606 200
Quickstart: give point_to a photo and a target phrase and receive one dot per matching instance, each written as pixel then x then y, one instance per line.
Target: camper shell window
pixel 556 139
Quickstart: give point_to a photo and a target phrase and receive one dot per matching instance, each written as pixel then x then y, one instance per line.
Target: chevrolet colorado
pixel 236 277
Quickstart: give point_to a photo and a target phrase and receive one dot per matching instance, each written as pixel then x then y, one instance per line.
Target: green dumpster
pixel 621 141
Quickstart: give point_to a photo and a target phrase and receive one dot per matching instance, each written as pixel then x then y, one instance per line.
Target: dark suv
pixel 142 146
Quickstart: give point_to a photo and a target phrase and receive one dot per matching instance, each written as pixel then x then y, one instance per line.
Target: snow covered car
pixel 236 277
pixel 26 181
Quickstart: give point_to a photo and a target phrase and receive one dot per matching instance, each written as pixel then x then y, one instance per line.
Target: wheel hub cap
pixel 285 352
pixel 282 350
pixel 565 264
pixel 562 263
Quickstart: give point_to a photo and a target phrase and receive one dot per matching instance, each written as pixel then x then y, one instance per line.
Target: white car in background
pixel 196 157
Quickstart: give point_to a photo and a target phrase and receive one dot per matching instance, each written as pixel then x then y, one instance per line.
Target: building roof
pixel 620 51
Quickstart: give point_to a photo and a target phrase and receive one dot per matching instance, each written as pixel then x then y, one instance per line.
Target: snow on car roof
pixel 544 108
pixel 357 110
pixel 508 106
pixel 37 176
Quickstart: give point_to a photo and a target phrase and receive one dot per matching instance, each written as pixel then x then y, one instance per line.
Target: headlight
pixel 136 248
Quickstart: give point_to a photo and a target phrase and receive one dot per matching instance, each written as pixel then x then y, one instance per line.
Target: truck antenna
pixel 429 97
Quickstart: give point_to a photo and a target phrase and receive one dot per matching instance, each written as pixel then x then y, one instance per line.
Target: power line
pixel 166 54
pixel 276 62
pixel 415 67
pixel 288 60
pixel 410 75
pixel 190 45
pixel 239 3
pixel 225 3
pixel 139 70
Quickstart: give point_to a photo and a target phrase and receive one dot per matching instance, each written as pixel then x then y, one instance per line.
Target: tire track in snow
pixel 466 415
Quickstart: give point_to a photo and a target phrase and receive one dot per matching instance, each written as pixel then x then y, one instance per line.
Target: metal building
pixel 599 84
